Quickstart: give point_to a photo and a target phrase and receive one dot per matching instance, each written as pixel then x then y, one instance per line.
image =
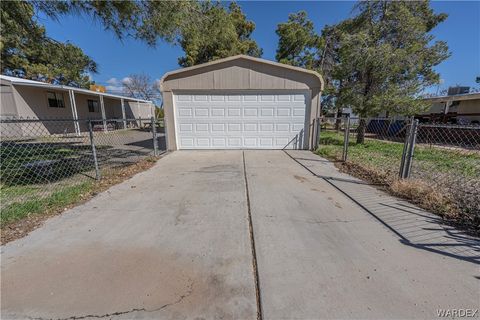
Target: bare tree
pixel 141 86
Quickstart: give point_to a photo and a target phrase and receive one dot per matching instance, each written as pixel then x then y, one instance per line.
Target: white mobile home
pixel 23 98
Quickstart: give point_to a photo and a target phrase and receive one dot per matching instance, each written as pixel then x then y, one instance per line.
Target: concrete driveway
pixel 181 241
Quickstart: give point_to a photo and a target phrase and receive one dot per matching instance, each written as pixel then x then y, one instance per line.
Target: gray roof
pixel 456 97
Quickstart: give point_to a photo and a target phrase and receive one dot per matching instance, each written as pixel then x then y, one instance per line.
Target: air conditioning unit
pixel 458 90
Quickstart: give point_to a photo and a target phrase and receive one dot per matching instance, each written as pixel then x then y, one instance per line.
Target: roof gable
pixel 225 70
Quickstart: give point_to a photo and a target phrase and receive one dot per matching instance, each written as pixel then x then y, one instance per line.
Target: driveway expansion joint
pixel 252 244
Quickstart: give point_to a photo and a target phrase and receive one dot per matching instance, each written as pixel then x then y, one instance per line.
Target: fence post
pixel 312 135
pixel 346 138
pixel 154 133
pixel 94 150
pixel 317 133
pixel 165 132
pixel 405 148
pixel 411 149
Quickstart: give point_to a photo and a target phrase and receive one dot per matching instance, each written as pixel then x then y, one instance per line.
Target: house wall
pixel 468 111
pixel 7 101
pixel 465 111
pixel 32 102
pixel 239 74
pixel 135 109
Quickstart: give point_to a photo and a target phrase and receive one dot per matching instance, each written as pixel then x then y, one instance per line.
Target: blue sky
pixel 117 59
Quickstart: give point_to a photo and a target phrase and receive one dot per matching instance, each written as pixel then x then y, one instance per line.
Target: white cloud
pixel 126 80
pixel 112 81
pixel 114 89
pixel 157 83
pixel 114 85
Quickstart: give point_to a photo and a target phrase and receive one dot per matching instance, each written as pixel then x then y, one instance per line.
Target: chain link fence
pixel 447 158
pixel 435 165
pixel 51 162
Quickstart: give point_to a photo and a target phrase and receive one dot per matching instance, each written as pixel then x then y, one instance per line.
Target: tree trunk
pixel 362 126
pixel 338 120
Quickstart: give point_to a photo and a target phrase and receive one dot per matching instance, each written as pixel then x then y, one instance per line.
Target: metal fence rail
pixel 44 161
pixel 443 158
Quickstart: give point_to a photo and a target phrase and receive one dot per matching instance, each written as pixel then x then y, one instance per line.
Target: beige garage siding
pixel 239 73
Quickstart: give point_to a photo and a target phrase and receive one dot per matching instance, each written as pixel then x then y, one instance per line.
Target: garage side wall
pixel 237 75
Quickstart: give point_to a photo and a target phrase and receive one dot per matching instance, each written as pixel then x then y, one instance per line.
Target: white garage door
pixel 240 121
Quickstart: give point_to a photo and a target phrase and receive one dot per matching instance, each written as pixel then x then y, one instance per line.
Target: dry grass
pixel 20 228
pixel 425 196
pixel 417 192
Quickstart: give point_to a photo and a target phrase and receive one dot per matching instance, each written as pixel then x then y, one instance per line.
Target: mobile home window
pixel 92 105
pixel 55 100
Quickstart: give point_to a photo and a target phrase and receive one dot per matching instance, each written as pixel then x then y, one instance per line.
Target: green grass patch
pixel 386 155
pixel 58 199
pixel 19 190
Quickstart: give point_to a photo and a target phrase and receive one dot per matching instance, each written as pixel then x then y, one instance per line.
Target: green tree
pixel 298 45
pixel 219 33
pixel 27 52
pixel 379 60
pixel 385 57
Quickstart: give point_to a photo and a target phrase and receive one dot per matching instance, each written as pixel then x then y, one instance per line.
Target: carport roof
pixel 244 57
pixel 39 84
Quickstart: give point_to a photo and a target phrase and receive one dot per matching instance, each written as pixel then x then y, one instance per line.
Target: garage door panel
pixel 219 142
pixel 283 112
pixel 280 142
pixel 185 112
pixel 235 127
pixel 250 112
pixel 267 112
pixel 299 112
pixel 267 127
pixel 296 127
pixel 250 98
pixel 186 127
pixel 201 112
pixel 252 127
pixel 265 121
pixel 186 142
pixel 235 142
pixel 184 97
pixel 200 98
pixel 218 112
pixel 218 127
pixel 234 98
pixel 282 127
pixel 202 142
pixel 267 98
pixel 202 127
pixel 284 98
pixel 250 142
pixel 266 142
pixel 234 112
pixel 219 98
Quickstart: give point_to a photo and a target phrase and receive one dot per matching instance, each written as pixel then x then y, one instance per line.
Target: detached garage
pixel 241 102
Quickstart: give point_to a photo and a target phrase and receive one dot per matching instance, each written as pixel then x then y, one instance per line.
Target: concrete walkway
pixel 176 242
